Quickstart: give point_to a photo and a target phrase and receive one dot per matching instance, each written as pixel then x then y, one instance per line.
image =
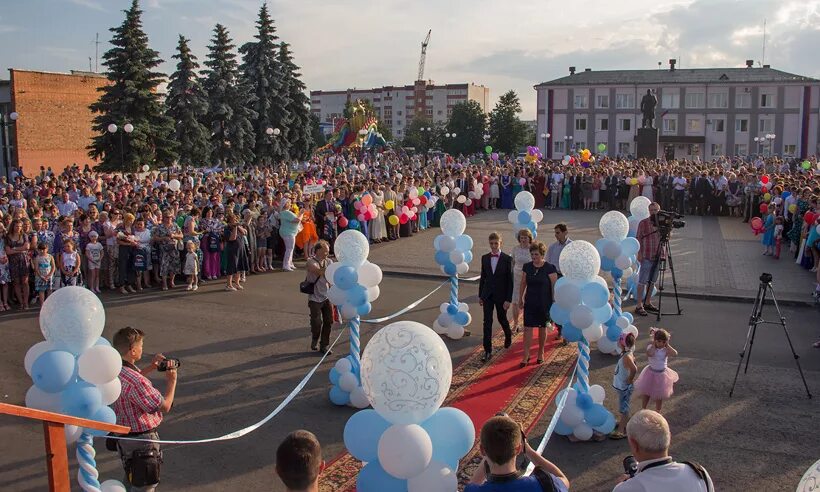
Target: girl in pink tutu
pixel 657 379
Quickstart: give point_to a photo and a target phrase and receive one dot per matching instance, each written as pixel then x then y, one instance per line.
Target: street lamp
pixel 4 132
pixel 546 137
pixel 127 128
pixel 770 140
pixel 568 144
pixel 271 132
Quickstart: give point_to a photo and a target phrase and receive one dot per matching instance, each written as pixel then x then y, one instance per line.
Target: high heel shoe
pixel 522 365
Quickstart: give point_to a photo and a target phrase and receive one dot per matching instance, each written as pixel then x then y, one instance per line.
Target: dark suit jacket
pixel 496 286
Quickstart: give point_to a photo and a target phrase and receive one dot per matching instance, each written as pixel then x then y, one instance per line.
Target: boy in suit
pixel 495 292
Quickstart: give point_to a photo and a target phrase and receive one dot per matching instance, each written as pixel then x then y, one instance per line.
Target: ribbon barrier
pixel 560 401
pixel 406 309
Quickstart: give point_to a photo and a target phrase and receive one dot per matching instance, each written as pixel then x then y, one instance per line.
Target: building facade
pixel 396 106
pixel 703 113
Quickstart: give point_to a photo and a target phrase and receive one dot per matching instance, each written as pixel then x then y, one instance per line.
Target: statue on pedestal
pixel 648 103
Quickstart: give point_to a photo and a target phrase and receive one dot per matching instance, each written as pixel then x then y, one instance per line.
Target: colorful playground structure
pixel 360 131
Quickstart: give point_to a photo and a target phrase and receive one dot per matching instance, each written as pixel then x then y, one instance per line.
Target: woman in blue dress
pixel 566 195
pixel 768 234
pixel 506 191
pixel 517 187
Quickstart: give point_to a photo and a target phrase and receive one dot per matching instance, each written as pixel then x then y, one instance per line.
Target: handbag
pixel 308 288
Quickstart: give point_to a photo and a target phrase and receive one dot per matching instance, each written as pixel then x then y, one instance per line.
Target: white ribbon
pixel 561 401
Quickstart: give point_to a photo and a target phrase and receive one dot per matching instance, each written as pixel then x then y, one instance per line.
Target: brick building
pixel 54 124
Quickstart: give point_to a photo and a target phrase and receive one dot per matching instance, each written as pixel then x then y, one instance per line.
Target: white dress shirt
pixel 674 477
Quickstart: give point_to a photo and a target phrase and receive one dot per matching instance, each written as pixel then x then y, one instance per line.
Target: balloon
pixel 72 434
pixel 567 293
pixel 764 208
pixel 579 260
pixel 345 277
pixel 461 199
pixel 39 399
pixel 81 399
pixel 581 317
pixel 370 275
pixel 488 149
pixel 362 433
pixel 596 415
pixel 452 223
pixel 358 398
pixel 582 432
pixel 373 478
pixel 562 429
pixel 351 248
pixel 757 222
pixel 639 207
pixel 35 351
pixel 792 209
pixel 338 396
pixel 348 382
pixel 558 314
pixel 806 165
pixel 103 414
pixel 446 244
pixel 601 147
pixel 571 396
pixel 630 246
pixel 764 179
pixel 632 329
pixel 455 332
pixel 571 415
pixel 452 433
pixel 767 196
pixel 445 190
pixel 571 333
pixel 494 156
pixel 608 426
pixel 597 392
pixel 606 345
pixel 464 243
pixel 174 184
pixel 405 450
pixel 406 372
pixel 593 333
pixel 524 201
pixel 357 295
pixel 73 318
pixel 343 221
pixel 614 225
pixel 437 477
pixel 99 364
pixel 393 220
pixel 53 370
pixel 611 249
pixel 110 391
pixel 373 293
pixel 112 486
pixel 623 262
pixel 537 215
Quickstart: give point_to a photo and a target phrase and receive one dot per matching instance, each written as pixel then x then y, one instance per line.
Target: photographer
pixel 649 439
pixel 501 441
pixel 649 238
pixel 140 407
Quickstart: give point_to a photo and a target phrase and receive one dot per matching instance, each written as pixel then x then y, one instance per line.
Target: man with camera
pixel 649 237
pixel 501 441
pixel 140 407
pixel 651 468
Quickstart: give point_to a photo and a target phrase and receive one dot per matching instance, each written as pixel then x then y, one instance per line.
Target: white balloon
pixel 463 307
pixel 597 392
pixel 612 249
pixel 607 346
pixel 99 364
pixel 581 317
pixel 445 190
pixel 443 307
pixel 623 262
pixel 35 351
pixel 72 317
pixel 39 399
pixel 639 207
pixel 373 293
pixel 406 372
pixel 438 328
pixel 370 274
pixel 593 333
pixel 622 322
pixel 405 450
pixel 110 391
pixel 461 199
pixel 174 184
pixel 444 320
pixel 568 295
pixel 614 225
pixel 572 415
pixel 456 257
pixel 468 202
pixel 112 486
pixel 343 366
pixel 512 217
pixel 582 432
pixel 462 268
pixel 447 243
pixel 471 194
pixel 145 168
pixel 579 260
pixel 455 332
pixel 627 272
pixel 537 215
pixel 632 329
pixel 456 190
pixel 72 434
pixel 348 381
pixel 351 248
pixel 358 398
pixel 437 477
pixel 452 223
pixel 336 295
pixel 524 201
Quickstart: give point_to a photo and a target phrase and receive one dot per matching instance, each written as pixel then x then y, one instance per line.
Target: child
pixel 299 461
pixel 768 234
pixel 44 268
pixel 69 264
pixel 657 379
pixel 191 268
pixel 625 373
pixel 778 235
pixel 93 255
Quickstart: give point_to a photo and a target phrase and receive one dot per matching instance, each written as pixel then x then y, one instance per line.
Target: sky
pixel 499 44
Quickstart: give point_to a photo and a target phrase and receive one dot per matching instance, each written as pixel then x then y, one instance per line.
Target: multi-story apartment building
pixel 705 112
pixel 396 106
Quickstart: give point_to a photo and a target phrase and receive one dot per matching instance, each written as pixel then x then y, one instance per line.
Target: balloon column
pixel 75 372
pixel 365 208
pixel 581 306
pixel 407 441
pixel 354 286
pixel 453 254
pixel 525 215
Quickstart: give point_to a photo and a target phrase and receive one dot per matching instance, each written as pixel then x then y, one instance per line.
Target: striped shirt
pixel 138 404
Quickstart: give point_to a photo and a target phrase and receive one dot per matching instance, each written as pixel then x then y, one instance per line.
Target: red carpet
pixel 481 390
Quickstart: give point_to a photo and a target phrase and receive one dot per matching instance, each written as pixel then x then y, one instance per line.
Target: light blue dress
pixel 768 227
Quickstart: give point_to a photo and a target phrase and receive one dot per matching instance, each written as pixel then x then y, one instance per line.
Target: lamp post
pixel 271 132
pixel 546 137
pixel 127 128
pixel 770 141
pixel 6 121
pixel 567 144
pixel 427 133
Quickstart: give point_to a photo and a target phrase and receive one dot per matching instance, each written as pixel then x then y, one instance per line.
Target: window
pixel 580 123
pixel 398 122
pixel 624 147
pixel 399 113
pixel 693 149
pixel 766 125
pixel 603 124
pixel 580 102
pixel 742 126
pixel 580 145
pixel 741 149
pixel 602 101
pixel 718 100
pixel 626 124
pixel 624 101
pixel 718 125
pixel 440 112
pixel 428 112
pixel 694 99
pixel 717 149
pixel 398 132
pixel 558 147
pixel 693 125
pixel 670 125
pixel 789 150
pixel 743 100
pixel 767 100
pixel 670 101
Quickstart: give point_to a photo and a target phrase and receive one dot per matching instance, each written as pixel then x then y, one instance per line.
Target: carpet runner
pixel 481 390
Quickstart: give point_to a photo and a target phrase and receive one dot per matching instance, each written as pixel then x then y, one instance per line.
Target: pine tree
pixel 187 104
pixel 262 73
pixel 229 113
pixel 131 98
pixel 300 133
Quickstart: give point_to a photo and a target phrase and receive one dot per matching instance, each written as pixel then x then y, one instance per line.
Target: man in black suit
pixel 323 207
pixel 495 292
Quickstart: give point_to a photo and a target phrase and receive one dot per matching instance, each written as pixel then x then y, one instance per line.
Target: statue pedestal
pixel 647 143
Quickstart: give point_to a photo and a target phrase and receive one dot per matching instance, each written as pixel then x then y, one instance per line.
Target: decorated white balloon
pixel 73 318
pixel 452 223
pixel 174 185
pixel 579 260
pixel 351 248
pixel 112 486
pixel 406 372
pixel 614 225
pixel 524 201
pixel 639 207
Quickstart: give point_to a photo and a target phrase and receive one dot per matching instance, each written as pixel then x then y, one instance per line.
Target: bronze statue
pixel 648 103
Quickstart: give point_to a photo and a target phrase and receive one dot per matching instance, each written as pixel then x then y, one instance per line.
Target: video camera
pixel 169 363
pixel 666 221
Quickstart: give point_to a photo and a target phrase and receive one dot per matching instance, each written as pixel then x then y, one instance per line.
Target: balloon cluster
pixel 568 159
pixel 452 319
pixel 533 154
pixel 365 208
pixel 475 194
pixel 639 210
pixel 586 158
pixel 452 246
pixel 407 441
pixel 75 371
pixel 525 215
pixel 615 326
pixel 617 251
pixel 354 286
pixel 584 413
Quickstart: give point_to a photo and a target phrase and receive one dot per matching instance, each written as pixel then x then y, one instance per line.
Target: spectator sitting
pixel 501 441
pixel 299 462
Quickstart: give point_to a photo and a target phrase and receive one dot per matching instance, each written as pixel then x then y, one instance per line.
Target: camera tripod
pixel 662 258
pixel 756 319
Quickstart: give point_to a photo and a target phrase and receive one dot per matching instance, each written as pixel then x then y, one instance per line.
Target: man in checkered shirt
pixel 140 406
pixel 649 238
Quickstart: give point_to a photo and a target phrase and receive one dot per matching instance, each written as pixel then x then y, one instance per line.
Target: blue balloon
pixel 613 333
pixel 584 401
pixel 464 242
pixel 602 314
pixel 452 309
pixel 357 294
pixel 558 314
pixel 452 433
pixel 104 414
pixel 364 309
pixel 102 341
pixel 362 432
pixel 630 246
pixel 595 295
pixel 786 194
pixel 461 318
pixel 562 429
pixel 53 370
pixel 596 415
pixel 608 426
pixel 616 272
pixel 353 224
pixel 628 316
pixel 442 257
pixel 81 399
pixel 373 478
pixel 607 263
pixel 427 194
pixel 599 245
pixel 339 396
pixel 468 256
pixel 437 241
pixel 524 217
pixel 334 376
pixel 450 269
pixel 345 277
pixel 571 333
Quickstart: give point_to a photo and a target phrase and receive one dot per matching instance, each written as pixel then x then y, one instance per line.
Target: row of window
pixel 692 149
pixel 694 100
pixel 670 124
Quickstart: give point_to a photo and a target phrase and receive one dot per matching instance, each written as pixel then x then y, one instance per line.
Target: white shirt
pixel 554 253
pixel 494 260
pixel 679 183
pixel 674 477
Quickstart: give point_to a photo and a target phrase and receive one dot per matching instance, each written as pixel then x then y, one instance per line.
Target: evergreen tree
pixel 187 104
pixel 131 98
pixel 300 132
pixel 229 114
pixel 264 77
pixel 507 132
pixel 468 122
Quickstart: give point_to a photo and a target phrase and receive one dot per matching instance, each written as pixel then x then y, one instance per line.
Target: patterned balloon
pixel 579 260
pixel 614 225
pixel 72 318
pixel 352 248
pixel 452 223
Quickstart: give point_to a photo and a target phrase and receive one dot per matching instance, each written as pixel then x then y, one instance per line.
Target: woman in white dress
pixel 495 193
pixel 646 190
pixel 378 228
pixel 520 256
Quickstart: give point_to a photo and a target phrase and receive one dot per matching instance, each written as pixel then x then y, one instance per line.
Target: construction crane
pixel 423 55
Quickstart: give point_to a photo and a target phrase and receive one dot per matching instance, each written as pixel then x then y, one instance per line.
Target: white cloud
pixel 91 4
